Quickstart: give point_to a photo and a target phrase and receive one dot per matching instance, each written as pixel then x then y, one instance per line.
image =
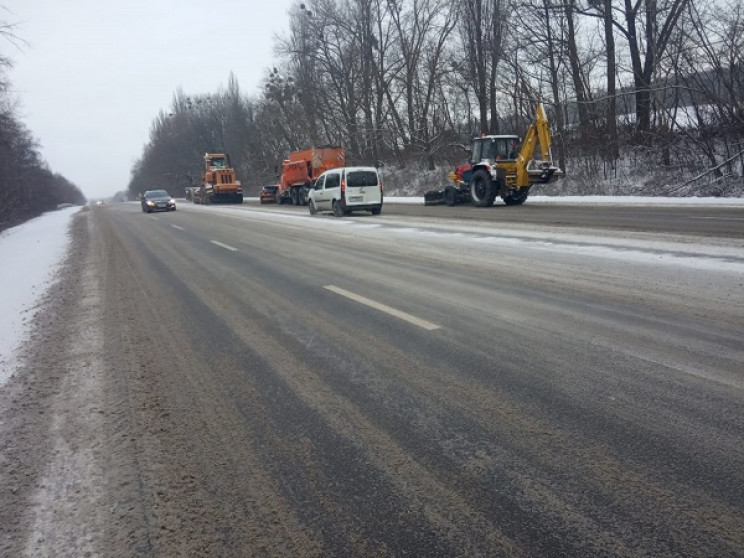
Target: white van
pixel 347 189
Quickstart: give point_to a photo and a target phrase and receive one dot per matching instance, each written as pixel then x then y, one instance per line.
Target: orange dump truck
pixel 302 169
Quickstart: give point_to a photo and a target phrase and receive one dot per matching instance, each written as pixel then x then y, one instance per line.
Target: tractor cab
pixel 494 148
pixel 216 161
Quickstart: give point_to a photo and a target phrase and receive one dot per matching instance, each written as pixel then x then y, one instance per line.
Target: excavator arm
pixel 544 171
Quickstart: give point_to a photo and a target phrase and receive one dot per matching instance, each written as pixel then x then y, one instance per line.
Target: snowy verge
pixel 31 254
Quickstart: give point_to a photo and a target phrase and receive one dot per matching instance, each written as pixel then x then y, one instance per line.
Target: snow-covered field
pixel 31 254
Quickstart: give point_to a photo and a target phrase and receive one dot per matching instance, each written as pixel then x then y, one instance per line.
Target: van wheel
pixel 338 211
pixel 311 207
pixel 376 210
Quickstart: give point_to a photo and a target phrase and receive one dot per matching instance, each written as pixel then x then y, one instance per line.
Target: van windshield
pixel 357 179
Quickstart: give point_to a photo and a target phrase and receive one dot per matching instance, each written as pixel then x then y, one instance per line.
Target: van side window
pixel 319 183
pixel 332 181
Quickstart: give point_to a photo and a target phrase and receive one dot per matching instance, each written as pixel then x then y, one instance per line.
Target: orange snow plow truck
pixel 218 184
pixel 302 169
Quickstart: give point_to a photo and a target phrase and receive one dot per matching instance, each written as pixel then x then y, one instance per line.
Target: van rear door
pixel 362 187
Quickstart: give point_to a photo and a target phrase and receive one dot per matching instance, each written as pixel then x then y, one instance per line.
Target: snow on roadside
pixel 31 254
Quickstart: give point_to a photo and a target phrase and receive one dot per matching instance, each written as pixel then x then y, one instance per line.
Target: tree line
pixel 28 187
pixel 649 90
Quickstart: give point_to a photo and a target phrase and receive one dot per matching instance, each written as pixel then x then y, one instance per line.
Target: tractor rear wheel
pixel 482 189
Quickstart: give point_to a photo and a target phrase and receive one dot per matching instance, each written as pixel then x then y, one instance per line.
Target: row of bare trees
pixel 656 85
pixel 172 158
pixel 28 187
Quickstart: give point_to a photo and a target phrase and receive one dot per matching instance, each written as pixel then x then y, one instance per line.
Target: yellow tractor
pixel 500 167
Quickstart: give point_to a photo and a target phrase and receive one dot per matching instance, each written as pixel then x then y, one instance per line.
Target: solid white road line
pixel 225 246
pixel 383 308
pixel 177 227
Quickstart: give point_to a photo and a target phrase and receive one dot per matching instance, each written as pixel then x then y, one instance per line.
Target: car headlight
pixel 148 202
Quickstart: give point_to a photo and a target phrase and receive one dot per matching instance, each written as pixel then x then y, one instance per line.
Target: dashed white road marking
pixel 225 246
pixel 177 227
pixel 384 308
pixel 715 218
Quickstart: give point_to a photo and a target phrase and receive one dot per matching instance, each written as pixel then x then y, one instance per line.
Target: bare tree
pixel 28 187
pixel 544 50
pixel 649 25
pixel 483 24
pixel 423 30
pixel 579 78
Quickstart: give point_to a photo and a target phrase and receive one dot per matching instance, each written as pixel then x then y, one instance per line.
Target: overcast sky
pixel 95 73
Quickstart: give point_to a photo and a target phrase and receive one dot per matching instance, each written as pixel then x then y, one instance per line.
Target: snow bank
pixel 31 254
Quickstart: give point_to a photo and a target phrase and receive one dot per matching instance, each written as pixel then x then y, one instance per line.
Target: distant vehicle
pixel 302 168
pixel 191 192
pixel 267 194
pixel 218 183
pixel 157 200
pixel 100 202
pixel 347 189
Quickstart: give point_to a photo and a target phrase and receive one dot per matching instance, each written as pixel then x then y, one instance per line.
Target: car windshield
pixel 158 194
pixel 357 179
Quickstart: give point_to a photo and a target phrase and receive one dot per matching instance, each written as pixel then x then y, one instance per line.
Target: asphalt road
pixel 402 385
pixel 706 221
